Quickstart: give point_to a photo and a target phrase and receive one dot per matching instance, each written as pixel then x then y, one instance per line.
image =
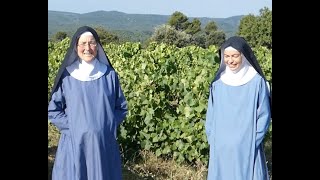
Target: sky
pixel 190 8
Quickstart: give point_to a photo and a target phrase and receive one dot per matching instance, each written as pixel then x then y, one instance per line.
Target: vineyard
pixel 167 90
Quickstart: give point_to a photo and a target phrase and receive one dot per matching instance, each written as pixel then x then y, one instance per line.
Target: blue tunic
pixel 87 113
pixel 237 120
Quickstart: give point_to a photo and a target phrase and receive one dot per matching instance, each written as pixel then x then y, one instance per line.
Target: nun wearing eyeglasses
pixel 238 115
pixel 87 105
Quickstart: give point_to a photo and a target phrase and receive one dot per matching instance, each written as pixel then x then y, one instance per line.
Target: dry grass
pixel 148 167
pixel 152 167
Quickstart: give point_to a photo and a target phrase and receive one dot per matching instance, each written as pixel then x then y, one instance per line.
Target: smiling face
pixel 232 58
pixel 87 47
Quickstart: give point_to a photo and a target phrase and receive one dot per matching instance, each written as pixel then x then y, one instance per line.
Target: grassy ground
pixel 149 167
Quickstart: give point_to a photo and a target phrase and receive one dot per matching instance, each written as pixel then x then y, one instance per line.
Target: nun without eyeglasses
pixel 238 115
pixel 87 105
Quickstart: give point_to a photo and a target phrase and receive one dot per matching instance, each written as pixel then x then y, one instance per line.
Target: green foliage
pixel 264 57
pixel 265 28
pixel 56 53
pixel 210 27
pixel 167 89
pixel 248 29
pixel 199 39
pixel 194 27
pixel 179 21
pixel 167 99
pixel 106 36
pixel 257 30
pixel 181 33
pixel 168 35
pixel 59 36
pixel 215 38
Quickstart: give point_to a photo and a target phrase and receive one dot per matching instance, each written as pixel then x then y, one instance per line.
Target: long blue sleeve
pixel 121 108
pixel 209 117
pixel 263 113
pixel 56 110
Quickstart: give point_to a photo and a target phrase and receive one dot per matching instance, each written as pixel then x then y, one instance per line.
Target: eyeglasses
pixel 84 44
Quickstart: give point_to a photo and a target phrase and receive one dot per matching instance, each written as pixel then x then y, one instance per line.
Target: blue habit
pixel 87 113
pixel 237 120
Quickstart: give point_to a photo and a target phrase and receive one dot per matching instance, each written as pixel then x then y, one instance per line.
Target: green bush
pixel 167 90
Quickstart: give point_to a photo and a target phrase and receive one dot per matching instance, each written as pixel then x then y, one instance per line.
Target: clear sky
pixel 190 8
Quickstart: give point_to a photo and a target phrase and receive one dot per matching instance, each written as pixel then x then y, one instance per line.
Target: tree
pixel 59 36
pixel 215 38
pixel 248 29
pixel 179 21
pixel 181 33
pixel 105 36
pixel 169 35
pixel 257 30
pixel 264 23
pixel 210 27
pixel 194 27
pixel 199 39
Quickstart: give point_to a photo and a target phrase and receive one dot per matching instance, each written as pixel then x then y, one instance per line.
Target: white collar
pixel 87 71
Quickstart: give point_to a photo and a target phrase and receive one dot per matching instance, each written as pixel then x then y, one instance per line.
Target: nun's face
pixel 87 48
pixel 232 58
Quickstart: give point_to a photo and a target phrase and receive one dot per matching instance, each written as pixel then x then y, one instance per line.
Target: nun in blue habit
pixel 238 115
pixel 87 105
